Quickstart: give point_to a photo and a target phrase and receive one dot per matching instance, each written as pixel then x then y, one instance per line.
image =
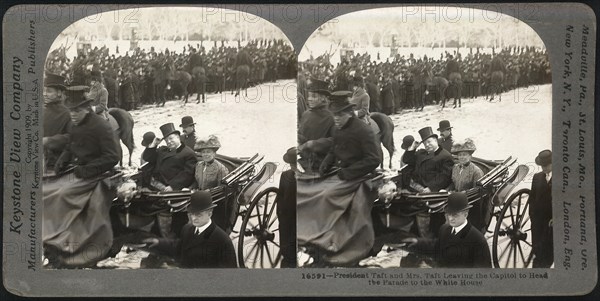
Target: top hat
pixel 187 121
pixel 76 97
pixel 54 81
pixel 339 101
pixel 148 138
pixel 407 141
pixel 457 202
pixel 427 132
pixel 168 129
pixel 444 125
pixel 200 200
pixel 291 156
pixel 318 86
pixel 463 146
pixel 211 142
pixel 544 158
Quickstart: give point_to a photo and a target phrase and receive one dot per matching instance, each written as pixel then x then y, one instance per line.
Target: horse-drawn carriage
pixel 511 240
pixel 258 235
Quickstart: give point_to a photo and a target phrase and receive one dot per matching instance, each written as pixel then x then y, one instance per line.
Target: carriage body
pixel 241 196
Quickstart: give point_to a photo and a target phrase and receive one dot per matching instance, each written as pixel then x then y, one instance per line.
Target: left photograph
pixel 166 141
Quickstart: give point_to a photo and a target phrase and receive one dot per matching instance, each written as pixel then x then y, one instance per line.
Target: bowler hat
pixel 318 86
pixel 210 142
pixel 200 200
pixel 76 97
pixel 457 202
pixel 148 138
pixel 407 141
pixel 544 158
pixel 290 156
pixel 427 132
pixel 54 81
pixel 168 129
pixel 463 146
pixel 444 125
pixel 339 101
pixel 187 121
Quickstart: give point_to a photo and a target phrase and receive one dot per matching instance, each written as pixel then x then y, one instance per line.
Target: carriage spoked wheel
pixel 258 243
pixel 512 246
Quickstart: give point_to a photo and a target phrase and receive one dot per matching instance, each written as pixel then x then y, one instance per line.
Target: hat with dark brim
pixel 168 129
pixel 407 141
pixel 318 86
pixel 291 156
pixel 340 101
pixel 187 121
pixel 444 125
pixel 457 202
pixel 200 200
pixel 76 97
pixel 148 138
pixel 544 158
pixel 427 132
pixel 55 81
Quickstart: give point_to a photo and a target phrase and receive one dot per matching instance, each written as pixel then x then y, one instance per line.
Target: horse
pixel 424 84
pixel 242 75
pixel 386 133
pixel 124 130
pixel 199 80
pixel 496 84
pixel 454 90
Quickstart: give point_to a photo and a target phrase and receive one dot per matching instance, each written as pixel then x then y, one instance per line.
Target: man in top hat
pixel 202 244
pixel 445 130
pixel 354 149
pixel 57 120
pixel 188 127
pixel 98 94
pixel 316 127
pixel 540 211
pixel 432 171
pixel 77 192
pixel 174 166
pixel 459 245
pixel 286 209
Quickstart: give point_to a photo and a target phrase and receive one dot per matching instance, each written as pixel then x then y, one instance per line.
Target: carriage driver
pixel 76 228
pixel 174 166
pixel 57 120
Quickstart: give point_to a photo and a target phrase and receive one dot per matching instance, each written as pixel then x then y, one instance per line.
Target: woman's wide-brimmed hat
pixel 211 142
pixel 463 146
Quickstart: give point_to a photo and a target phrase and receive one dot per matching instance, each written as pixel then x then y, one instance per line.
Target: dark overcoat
pixel 57 124
pixel 93 147
pixel 354 150
pixel 465 249
pixel 209 249
pixel 540 211
pixel 174 168
pixel 430 170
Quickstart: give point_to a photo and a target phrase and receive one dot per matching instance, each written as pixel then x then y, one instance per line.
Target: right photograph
pixel 424 141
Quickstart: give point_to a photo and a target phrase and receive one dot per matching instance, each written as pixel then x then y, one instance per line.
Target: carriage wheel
pixel 512 246
pixel 258 243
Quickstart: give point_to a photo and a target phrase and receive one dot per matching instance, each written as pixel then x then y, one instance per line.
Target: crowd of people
pixel 132 79
pixel 396 83
pixel 339 147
